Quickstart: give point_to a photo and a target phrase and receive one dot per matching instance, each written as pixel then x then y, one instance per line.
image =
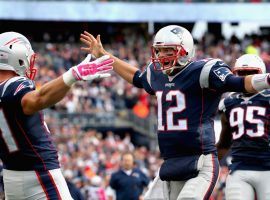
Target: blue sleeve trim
pixel 137 82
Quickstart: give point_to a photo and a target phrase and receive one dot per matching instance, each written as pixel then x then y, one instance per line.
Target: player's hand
pixel 93 45
pixel 89 70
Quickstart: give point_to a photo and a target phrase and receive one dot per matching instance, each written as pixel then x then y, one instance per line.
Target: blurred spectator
pixel 95 191
pixel 110 193
pixel 128 182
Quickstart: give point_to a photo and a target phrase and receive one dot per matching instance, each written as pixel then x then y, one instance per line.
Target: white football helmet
pixel 180 40
pixel 249 64
pixel 16 54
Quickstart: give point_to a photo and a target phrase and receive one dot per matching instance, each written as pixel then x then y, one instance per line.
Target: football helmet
pixel 249 64
pixel 179 40
pixel 16 54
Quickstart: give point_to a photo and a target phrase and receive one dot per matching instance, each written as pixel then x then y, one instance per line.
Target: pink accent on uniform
pixel 91 69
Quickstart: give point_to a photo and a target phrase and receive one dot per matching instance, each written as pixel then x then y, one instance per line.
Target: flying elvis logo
pixel 179 32
pixel 222 73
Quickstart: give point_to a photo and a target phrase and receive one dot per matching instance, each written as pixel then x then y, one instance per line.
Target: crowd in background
pixel 87 157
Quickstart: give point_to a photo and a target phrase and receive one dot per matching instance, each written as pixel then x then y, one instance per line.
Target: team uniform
pixel 248 118
pixel 186 104
pixel 31 167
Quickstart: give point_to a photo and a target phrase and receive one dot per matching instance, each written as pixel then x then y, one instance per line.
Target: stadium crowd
pixel 88 158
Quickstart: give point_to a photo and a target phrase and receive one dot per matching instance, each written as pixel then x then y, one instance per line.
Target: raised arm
pixel 94 46
pixel 53 91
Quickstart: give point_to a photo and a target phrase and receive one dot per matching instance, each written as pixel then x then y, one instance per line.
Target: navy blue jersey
pixel 25 141
pixel 128 187
pixel 248 117
pixel 186 104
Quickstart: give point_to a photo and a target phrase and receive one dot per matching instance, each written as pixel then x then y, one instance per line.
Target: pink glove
pixel 88 71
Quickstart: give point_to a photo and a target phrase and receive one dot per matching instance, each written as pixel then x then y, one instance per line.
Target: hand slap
pixel 88 71
pixel 95 69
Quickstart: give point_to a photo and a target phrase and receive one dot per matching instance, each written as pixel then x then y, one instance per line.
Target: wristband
pixel 260 82
pixel 68 78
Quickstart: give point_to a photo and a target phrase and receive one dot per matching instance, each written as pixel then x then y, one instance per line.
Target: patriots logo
pixel 177 31
pixel 135 174
pixel 222 73
pixel 24 84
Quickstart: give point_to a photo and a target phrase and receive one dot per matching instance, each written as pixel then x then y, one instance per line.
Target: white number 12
pixel 180 106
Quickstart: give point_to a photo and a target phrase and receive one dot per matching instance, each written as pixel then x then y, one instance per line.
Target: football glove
pixel 89 70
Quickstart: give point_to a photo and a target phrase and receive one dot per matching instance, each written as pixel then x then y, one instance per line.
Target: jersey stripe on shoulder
pixel 204 76
pixel 149 75
pixel 12 80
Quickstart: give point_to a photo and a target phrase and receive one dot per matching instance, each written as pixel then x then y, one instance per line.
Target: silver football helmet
pixel 249 64
pixel 16 54
pixel 177 38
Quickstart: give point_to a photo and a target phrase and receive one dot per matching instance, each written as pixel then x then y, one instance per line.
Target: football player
pixel 188 93
pixel 245 127
pixel 31 168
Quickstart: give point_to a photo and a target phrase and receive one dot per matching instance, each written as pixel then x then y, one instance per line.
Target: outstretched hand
pixel 98 68
pixel 93 45
pixel 89 70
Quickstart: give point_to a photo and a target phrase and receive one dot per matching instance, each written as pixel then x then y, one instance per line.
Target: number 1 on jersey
pixel 6 133
pixel 170 113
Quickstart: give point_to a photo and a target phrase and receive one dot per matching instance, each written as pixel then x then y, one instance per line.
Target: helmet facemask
pixel 31 71
pixel 169 61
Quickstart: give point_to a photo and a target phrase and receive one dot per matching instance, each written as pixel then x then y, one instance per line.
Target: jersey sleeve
pixel 217 75
pixel 16 88
pixel 143 80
